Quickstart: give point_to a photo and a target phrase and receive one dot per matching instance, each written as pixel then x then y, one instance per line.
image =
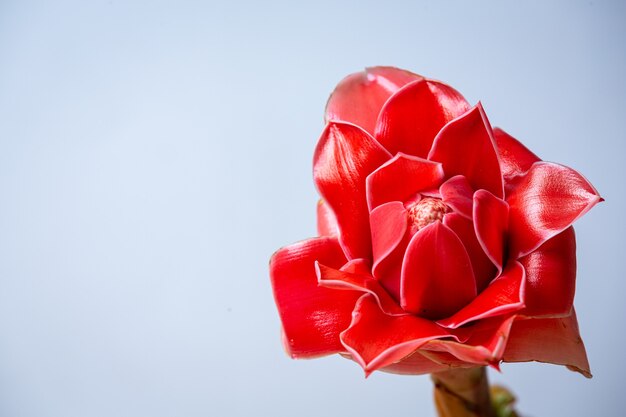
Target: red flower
pixel 442 242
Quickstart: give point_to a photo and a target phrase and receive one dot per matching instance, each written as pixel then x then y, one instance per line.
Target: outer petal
pixel 444 358
pixel 551 277
pixel 437 277
pixel 377 340
pixel 504 295
pixel 466 146
pixel 546 200
pixel 484 269
pixel 344 157
pixel 515 158
pixel 413 116
pixel 344 280
pixel 554 341
pixel 491 217
pixel 326 220
pixel 359 97
pixel 485 346
pixel 457 193
pixel 415 364
pixel 402 178
pixel 312 316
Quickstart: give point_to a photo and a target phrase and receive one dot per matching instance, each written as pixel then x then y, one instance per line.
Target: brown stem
pixel 463 392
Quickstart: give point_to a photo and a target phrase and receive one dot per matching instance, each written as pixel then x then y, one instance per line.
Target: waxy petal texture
pixel 437 277
pixel 326 220
pixel 376 339
pixel 491 217
pixel 551 277
pixel 413 116
pixel 312 316
pixel 457 193
pixel 484 269
pixel 343 280
pixel 388 223
pixel 359 97
pixel 504 295
pixel 443 243
pixel 546 201
pixel 344 157
pixel 554 341
pixel 515 158
pixel 465 146
pixel 402 178
pixel 417 364
pixel 485 345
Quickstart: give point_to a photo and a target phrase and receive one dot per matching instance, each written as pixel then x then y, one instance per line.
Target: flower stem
pixel 463 392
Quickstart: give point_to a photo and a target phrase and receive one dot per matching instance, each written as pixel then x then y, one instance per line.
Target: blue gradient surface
pixel 153 155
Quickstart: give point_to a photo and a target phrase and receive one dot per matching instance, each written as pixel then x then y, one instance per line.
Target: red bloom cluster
pixel 443 242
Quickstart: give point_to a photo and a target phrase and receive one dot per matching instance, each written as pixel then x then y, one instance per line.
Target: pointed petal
pixel 466 147
pixel 312 316
pixel 484 270
pixel 344 157
pixel 491 218
pixel 554 341
pixel 359 97
pixel 486 344
pixel 437 277
pixel 401 178
pixel 342 280
pixel 326 220
pixel 515 158
pixel 457 193
pixel 504 295
pixel 377 340
pixel 413 116
pixel 551 276
pixel 546 200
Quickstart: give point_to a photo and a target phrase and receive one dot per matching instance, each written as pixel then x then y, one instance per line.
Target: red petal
pixel 491 217
pixel 551 276
pixel 326 220
pixel 515 158
pixel 484 269
pixel 402 178
pixel 344 157
pixel 413 116
pixel 312 316
pixel 377 340
pixel 389 225
pixel 505 294
pixel 554 341
pixel 445 358
pixel 485 346
pixel 466 146
pixel 356 281
pixel 546 201
pixel 359 97
pixel 457 194
pixel 437 277
pixel 415 364
pixel 358 266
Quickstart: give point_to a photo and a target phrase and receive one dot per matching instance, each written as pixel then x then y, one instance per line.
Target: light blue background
pixel 154 154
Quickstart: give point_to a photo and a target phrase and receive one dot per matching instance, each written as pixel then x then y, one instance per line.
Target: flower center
pixel 426 211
